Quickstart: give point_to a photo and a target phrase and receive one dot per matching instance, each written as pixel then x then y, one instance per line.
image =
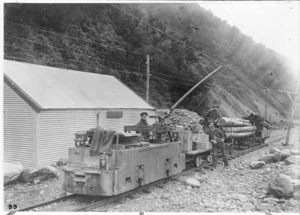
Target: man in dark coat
pixel 143 122
pixel 217 137
pixel 212 115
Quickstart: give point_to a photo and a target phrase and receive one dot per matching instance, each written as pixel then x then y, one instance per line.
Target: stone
pixel 42 192
pixel 268 169
pixel 248 207
pixel 296 183
pixel 285 153
pixel 268 158
pixel 62 162
pixel 26 175
pixel 295 152
pixel 282 186
pixel 282 163
pixel 200 177
pixel 12 172
pixel 269 200
pixel 257 164
pixel 240 197
pixel 36 181
pixel 292 160
pixel 277 157
pixel 296 196
pixel 262 207
pixel 293 172
pixel 273 150
pixel 42 174
pixel 192 182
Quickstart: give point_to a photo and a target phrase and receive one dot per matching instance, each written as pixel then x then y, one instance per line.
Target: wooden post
pixel 291 116
pixel 98 117
pixel 148 79
pixel 266 104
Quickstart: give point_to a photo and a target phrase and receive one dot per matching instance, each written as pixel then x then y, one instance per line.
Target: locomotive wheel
pixel 198 160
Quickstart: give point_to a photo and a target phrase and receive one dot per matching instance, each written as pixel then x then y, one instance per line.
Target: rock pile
pixel 15 172
pixel 184 118
pixel 285 185
pixel 36 175
pixel 12 171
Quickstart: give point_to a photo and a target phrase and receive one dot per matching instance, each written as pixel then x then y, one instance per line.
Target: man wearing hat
pixel 143 122
pixel 212 115
pixel 216 136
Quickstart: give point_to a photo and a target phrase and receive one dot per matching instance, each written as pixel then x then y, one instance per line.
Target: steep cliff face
pixel 184 43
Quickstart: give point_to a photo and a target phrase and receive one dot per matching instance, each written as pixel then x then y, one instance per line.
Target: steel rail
pixel 48 202
pixel 111 199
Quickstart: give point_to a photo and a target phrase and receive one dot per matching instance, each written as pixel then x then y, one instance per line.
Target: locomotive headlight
pixel 103 162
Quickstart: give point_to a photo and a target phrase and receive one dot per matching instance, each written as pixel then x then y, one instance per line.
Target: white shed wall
pixel 19 129
pixel 56 129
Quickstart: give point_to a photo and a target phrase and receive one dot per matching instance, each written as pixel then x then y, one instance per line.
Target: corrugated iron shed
pixel 56 88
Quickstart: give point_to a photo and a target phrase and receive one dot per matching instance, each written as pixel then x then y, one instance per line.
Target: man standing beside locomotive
pixel 216 137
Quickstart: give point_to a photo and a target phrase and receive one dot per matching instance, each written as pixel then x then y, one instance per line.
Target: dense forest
pixel 184 42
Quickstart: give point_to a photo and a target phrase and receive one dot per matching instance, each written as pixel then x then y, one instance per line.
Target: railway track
pixel 100 201
pixel 42 204
pixel 115 198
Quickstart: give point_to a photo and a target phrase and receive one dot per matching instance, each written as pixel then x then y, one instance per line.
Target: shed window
pixel 114 114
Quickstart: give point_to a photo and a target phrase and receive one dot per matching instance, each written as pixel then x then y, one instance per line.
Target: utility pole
pixel 291 115
pixel 266 103
pixel 148 78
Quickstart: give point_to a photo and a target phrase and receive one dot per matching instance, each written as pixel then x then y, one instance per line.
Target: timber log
pixel 239 129
pixel 233 134
pixel 225 122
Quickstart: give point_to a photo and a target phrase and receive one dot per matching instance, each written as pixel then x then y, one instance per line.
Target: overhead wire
pixel 165 33
pixel 85 41
pixel 173 81
pixel 114 46
pixel 25 39
pixel 114 62
pixel 75 37
pixel 205 96
pixel 86 66
pixel 179 85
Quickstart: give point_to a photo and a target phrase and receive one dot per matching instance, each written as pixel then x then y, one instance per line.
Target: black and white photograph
pixel 149 107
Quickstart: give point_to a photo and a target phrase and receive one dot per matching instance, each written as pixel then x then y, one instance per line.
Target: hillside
pixel 184 42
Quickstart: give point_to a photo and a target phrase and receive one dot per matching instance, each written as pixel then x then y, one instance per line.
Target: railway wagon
pixel 127 167
pixel 248 131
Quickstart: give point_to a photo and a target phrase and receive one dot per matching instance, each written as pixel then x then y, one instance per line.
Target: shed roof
pixel 56 88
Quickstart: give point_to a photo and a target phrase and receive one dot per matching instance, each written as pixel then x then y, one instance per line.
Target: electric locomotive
pixel 125 163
